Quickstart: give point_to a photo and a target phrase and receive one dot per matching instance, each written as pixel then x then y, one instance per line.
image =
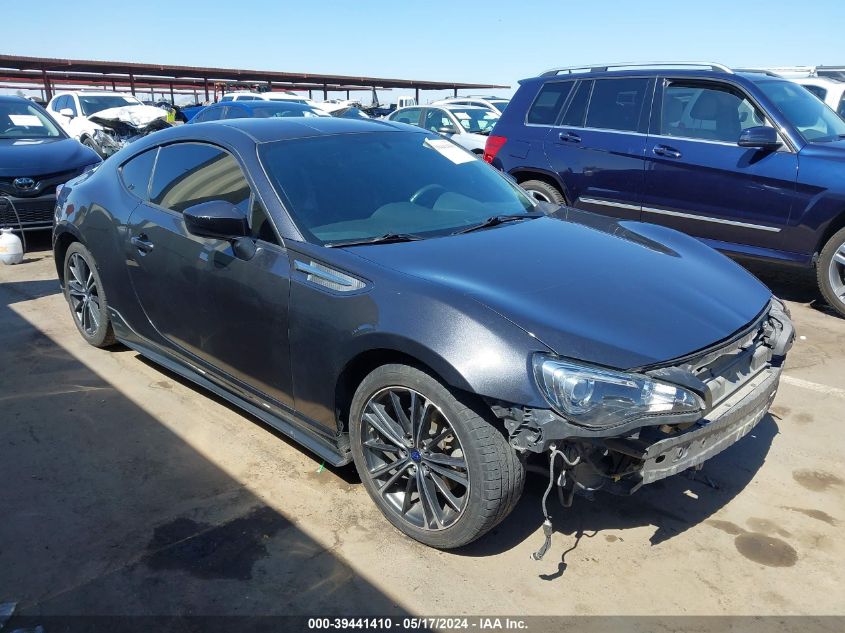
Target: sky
pixel 489 41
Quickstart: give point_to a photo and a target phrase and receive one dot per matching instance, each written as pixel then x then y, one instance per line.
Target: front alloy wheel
pixel 414 458
pixel 430 458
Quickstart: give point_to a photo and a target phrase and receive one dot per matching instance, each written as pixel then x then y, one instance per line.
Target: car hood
pixel 36 157
pixel 136 115
pixel 619 294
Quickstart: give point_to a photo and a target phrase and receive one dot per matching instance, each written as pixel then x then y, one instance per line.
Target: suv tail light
pixel 492 147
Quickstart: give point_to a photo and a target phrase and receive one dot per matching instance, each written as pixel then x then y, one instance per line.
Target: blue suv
pixel 750 163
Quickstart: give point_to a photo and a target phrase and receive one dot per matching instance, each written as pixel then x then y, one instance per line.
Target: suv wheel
pixel 543 191
pixel 830 271
pixel 435 466
pixel 86 297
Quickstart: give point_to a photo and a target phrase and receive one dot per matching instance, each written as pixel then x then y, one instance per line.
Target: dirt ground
pixel 126 490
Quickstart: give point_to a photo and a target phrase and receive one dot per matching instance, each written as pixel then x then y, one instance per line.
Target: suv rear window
pixel 616 104
pixel 549 103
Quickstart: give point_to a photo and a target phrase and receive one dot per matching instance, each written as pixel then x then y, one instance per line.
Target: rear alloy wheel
pixel 543 191
pixel 86 297
pixel 830 271
pixel 438 470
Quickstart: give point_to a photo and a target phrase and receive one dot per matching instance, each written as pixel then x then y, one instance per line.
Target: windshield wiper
pixel 499 219
pixel 387 238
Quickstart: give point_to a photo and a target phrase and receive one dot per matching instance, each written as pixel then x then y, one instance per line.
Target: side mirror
pixel 760 137
pixel 446 130
pixel 67 112
pixel 221 220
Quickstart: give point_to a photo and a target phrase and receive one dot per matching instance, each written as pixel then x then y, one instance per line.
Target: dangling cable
pixel 547 523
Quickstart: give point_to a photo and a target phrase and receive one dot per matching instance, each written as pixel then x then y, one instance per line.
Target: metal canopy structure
pixel 48 73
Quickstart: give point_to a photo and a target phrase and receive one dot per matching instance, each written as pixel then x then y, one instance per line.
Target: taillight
pixel 492 147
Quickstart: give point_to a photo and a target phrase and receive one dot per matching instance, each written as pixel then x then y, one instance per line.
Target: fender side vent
pixel 328 277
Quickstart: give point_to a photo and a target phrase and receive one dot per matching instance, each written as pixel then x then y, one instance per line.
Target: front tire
pixel 434 465
pixel 89 142
pixel 830 272
pixel 86 297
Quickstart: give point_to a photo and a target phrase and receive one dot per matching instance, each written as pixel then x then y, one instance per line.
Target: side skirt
pixel 321 447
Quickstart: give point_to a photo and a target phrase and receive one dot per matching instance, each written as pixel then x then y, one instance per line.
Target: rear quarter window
pixel 548 103
pixel 135 173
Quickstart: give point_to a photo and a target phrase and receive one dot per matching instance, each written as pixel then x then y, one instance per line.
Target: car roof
pixel 261 103
pixel 15 98
pixel 267 130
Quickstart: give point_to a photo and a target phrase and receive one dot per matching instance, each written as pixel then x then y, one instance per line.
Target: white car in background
pixel 468 126
pixel 105 121
pixel 826 82
pixel 491 103
pixel 284 95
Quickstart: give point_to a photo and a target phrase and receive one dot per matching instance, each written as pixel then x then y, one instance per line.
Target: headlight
pixel 602 398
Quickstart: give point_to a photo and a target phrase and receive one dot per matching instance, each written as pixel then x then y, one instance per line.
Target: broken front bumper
pixel 736 380
pixel 725 425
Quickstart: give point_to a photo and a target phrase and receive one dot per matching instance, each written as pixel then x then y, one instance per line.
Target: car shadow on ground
pixel 790 283
pixel 672 505
pixel 108 511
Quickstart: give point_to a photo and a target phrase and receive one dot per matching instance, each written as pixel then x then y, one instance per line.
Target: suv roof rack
pixel 588 68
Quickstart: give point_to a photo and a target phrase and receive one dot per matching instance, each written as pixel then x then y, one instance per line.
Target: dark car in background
pixel 257 109
pixel 751 164
pixel 36 156
pixel 382 296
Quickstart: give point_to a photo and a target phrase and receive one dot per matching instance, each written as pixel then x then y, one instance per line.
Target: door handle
pixel 665 150
pixel 142 243
pixel 569 137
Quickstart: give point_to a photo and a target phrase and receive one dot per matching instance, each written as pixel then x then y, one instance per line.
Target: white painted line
pixel 814 386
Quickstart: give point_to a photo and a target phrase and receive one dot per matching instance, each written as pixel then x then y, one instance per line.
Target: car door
pixel 223 313
pixel 598 145
pixel 699 180
pixel 78 123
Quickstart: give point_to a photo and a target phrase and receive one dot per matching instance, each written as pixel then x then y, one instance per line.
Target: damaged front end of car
pixel 619 430
pixel 115 132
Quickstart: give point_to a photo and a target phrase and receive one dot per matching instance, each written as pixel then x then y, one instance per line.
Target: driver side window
pixel 711 112
pixel 187 174
pixel 436 119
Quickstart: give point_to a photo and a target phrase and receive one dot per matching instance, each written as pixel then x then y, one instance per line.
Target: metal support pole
pixel 47 88
pixel 325 92
pixel 205 83
pixel 309 94
pixel 347 95
pixel 172 98
pixel 417 95
pixel 455 92
pixel 114 86
pixel 132 83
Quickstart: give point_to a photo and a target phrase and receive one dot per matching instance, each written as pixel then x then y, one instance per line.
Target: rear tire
pixel 86 297
pixel 543 191
pixel 442 446
pixel 830 272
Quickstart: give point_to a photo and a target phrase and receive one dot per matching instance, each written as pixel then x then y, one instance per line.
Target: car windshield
pixel 813 119
pixel 476 120
pixel 95 103
pixel 21 120
pixel 347 187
